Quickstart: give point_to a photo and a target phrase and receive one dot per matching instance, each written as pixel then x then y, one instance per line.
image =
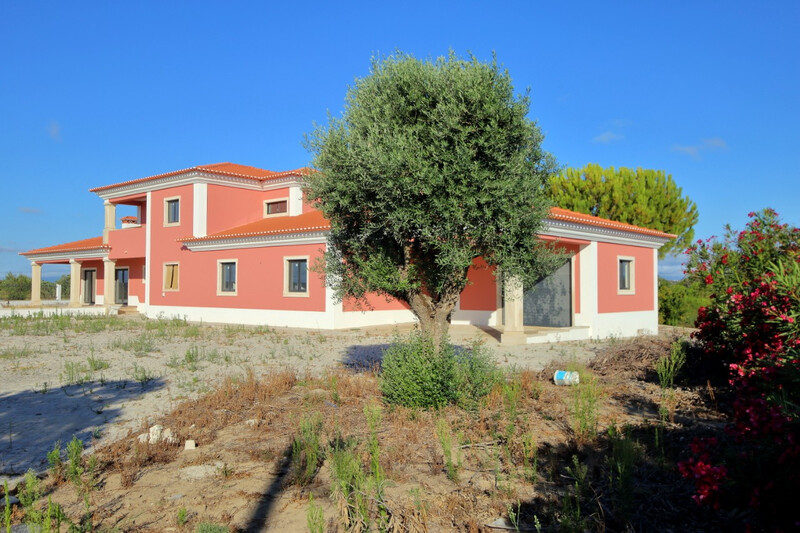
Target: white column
pixel 110 219
pixel 36 284
pixel 108 282
pixel 74 283
pixel 513 330
pixel 200 209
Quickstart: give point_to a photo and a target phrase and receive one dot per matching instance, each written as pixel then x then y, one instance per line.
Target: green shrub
pixel 679 301
pixel 415 375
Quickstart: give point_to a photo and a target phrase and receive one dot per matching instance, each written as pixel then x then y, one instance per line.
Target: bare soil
pixel 242 393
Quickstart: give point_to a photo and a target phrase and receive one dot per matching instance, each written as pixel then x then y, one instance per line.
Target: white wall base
pixel 252 317
pixel 560 335
pixel 629 324
pixel 477 318
pixel 357 319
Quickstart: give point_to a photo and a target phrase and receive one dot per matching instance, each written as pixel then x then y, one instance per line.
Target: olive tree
pixel 432 164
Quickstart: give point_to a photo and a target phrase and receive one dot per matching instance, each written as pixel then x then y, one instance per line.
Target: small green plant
pixel 141 374
pixel 75 374
pixel 183 517
pixel 667 367
pixel 208 527
pixel 572 518
pixel 585 397
pixel 96 363
pixel 56 463
pixel 307 453
pixel 6 507
pixel 29 495
pixel 315 518
pixel 350 488
pixel 530 457
pixel 74 460
pixel 622 464
pixel 446 441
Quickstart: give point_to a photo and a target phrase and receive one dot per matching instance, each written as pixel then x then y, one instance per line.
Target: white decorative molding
pixel 66 255
pixel 195 176
pixel 259 241
pixel 573 230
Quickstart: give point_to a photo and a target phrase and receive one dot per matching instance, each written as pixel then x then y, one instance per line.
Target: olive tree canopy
pixel 432 164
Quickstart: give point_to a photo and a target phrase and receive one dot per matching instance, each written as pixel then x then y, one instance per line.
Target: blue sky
pixel 93 93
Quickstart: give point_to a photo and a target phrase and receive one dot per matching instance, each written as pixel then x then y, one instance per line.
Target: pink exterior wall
pixel 608 299
pixel 374 302
pixel 259 280
pixel 480 294
pixel 229 207
pixel 127 242
pixel 164 245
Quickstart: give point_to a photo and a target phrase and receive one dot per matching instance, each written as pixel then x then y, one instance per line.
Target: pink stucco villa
pixel 233 243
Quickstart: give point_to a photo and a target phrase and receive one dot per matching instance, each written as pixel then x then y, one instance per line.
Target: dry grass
pixel 248 424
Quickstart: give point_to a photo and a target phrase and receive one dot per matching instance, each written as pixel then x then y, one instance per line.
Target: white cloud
pixel 607 137
pixel 30 210
pixel 54 131
pixel 7 250
pixel 694 151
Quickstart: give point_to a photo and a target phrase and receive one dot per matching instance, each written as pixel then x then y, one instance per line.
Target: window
pixel 172 211
pixel 171 275
pixel 296 276
pixel 227 278
pixel 626 285
pixel 276 207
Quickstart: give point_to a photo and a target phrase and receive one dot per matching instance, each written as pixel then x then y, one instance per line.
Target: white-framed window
pixel 295 276
pixel 226 277
pixel 276 207
pixel 171 276
pixel 626 275
pixel 172 211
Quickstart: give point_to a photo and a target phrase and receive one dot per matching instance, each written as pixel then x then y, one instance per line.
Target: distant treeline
pixel 18 287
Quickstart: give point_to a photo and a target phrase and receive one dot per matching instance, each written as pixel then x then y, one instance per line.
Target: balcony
pixel 128 242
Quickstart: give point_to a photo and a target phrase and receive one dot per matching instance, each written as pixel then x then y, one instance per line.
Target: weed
pixel 307 453
pixel 572 519
pixel 585 397
pixel 667 368
pixel 530 457
pixel 208 527
pixel 446 441
pixel 622 462
pixel 315 518
pixel 349 487
pixel 141 374
pixel 29 495
pixel 225 471
pixel 75 374
pixel 95 363
pixel 56 463
pixel 74 453
pixel 183 517
pixel 6 508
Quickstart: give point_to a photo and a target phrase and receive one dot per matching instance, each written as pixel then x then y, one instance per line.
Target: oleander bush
pixel 751 329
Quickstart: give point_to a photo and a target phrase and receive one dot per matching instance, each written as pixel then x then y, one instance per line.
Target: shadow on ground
pixel 32 421
pixel 364 357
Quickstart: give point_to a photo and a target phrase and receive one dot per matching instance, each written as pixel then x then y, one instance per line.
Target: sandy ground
pixel 97 385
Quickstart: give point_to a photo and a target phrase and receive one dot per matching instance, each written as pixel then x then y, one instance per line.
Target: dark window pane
pixel 298 275
pixel 274 208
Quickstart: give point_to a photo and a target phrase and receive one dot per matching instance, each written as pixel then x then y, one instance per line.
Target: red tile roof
pixel 221 169
pixel 305 223
pixel 74 246
pixel 565 215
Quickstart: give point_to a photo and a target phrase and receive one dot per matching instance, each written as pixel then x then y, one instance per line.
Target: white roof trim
pixel 259 241
pixel 574 230
pixel 196 176
pixel 66 255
